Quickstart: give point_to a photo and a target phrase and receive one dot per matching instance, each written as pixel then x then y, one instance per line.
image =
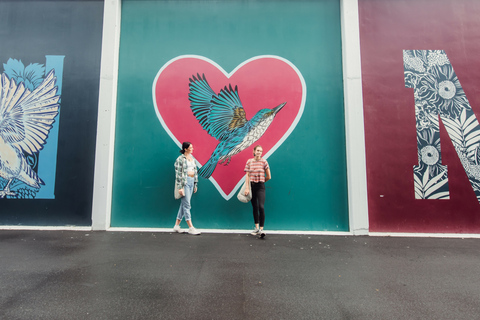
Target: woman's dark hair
pixel 185 145
pixel 256 148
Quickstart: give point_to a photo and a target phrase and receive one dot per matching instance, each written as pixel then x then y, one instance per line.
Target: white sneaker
pixel 261 234
pixel 255 232
pixel 177 228
pixel 193 231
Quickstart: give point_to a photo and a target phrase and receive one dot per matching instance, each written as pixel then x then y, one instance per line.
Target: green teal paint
pixel 308 190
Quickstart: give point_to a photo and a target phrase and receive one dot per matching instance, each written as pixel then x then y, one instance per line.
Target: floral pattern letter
pixel 437 91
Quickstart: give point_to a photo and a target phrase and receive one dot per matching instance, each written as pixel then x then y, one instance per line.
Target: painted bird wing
pixel 26 116
pixel 218 114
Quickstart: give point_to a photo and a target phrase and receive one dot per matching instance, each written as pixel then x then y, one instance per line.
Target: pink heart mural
pixel 262 82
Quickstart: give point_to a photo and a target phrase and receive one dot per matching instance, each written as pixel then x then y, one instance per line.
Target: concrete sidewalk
pixel 131 275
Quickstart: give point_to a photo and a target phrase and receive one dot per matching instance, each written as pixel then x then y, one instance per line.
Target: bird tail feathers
pixel 207 169
pixel 30 177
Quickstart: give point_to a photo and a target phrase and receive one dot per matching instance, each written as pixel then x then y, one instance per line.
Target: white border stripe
pixel 354 122
pixel 107 106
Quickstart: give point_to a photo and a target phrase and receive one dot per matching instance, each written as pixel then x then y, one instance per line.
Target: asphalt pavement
pixel 162 275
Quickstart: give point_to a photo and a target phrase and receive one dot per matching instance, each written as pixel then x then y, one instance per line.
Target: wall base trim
pixel 46 228
pixel 425 235
pixel 235 231
pixel 242 231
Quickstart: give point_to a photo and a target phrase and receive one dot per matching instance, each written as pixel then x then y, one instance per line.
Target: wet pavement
pixel 133 275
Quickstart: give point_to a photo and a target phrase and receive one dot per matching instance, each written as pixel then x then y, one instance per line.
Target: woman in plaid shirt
pixel 258 172
pixel 186 180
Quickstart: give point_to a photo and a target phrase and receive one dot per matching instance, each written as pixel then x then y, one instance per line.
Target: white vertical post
pixel 354 124
pixel 102 189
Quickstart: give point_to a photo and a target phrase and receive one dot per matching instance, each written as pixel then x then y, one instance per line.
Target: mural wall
pixel 50 62
pixel 227 76
pixel 421 105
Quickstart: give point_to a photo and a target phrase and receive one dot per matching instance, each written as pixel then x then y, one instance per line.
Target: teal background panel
pixel 308 190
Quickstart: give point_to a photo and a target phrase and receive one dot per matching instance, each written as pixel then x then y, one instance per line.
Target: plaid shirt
pixel 181 172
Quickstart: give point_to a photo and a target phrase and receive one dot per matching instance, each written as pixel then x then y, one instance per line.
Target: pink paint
pixel 263 82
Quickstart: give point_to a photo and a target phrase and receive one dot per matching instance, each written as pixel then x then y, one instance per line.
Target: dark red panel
pixel 388 27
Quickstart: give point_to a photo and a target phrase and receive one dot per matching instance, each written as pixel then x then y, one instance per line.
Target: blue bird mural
pixel 224 118
pixel 26 118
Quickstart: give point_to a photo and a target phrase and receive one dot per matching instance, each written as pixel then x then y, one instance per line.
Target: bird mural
pixel 224 118
pixel 26 118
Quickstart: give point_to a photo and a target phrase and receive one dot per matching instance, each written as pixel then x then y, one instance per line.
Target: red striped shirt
pixel 256 169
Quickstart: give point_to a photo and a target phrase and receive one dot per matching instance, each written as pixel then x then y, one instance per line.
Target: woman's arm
pixel 247 184
pixel 269 175
pixel 195 183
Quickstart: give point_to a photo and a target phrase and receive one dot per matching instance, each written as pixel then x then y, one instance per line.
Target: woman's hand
pixel 247 191
pixel 182 193
pixel 195 190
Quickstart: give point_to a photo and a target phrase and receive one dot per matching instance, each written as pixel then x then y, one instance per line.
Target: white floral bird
pixel 26 118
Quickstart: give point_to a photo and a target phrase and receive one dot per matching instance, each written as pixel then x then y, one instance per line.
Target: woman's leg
pixel 184 210
pixel 253 189
pixel 186 200
pixel 261 204
pixel 180 213
pixel 188 195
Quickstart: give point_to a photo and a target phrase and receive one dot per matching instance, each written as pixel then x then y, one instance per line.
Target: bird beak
pixel 279 107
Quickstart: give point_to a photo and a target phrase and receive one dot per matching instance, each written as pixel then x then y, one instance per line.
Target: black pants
pixel 258 202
